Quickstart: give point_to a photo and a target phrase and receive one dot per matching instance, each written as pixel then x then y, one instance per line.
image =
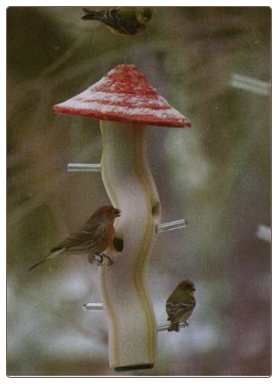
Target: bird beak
pixel 193 289
pixel 117 212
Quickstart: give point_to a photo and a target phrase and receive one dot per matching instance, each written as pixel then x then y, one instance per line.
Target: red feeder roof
pixel 124 94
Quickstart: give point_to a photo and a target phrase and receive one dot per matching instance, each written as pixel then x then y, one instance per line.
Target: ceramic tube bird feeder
pixel 125 103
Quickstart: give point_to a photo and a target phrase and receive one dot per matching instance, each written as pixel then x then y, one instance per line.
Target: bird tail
pixel 46 258
pixel 90 15
pixel 174 327
pixel 38 263
pixel 170 328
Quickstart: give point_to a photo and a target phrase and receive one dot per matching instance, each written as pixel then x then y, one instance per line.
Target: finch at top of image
pixel 122 20
pixel 93 238
pixel 180 304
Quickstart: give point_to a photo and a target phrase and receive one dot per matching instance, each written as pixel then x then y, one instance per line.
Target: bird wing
pixel 175 310
pixel 85 240
pixel 178 309
pixel 121 20
pixel 73 241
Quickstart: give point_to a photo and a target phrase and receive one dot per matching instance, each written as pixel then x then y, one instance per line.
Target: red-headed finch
pixel 93 238
pixel 180 304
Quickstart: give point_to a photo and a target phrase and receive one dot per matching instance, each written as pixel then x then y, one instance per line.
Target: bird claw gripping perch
pixel 100 259
pixel 109 260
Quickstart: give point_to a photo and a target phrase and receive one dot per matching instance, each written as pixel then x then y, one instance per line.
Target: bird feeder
pixel 125 103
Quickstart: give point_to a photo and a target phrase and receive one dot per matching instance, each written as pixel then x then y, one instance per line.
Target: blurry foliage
pixel 216 174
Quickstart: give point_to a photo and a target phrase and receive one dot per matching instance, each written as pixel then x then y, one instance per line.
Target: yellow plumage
pixel 122 20
pixel 180 304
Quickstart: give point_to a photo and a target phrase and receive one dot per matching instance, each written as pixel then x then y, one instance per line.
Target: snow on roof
pixel 124 94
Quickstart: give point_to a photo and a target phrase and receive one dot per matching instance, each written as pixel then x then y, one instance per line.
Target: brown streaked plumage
pixel 93 238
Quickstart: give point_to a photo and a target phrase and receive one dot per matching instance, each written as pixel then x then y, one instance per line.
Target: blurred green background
pixel 216 174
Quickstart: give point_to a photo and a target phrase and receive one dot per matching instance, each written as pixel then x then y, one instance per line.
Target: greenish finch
pixel 180 304
pixel 122 20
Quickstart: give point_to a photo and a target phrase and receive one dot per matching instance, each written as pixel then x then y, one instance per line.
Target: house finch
pixel 122 20
pixel 93 238
pixel 180 304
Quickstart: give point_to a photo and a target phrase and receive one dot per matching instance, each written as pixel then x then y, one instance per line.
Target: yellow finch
pixel 93 238
pixel 180 304
pixel 122 20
